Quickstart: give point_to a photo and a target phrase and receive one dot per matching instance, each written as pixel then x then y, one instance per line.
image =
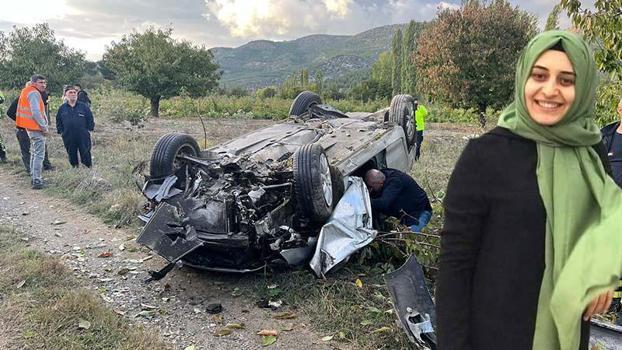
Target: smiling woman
pixel 21 12
pixel 530 247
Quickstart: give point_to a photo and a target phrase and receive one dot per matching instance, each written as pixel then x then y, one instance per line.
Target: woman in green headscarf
pixel 531 245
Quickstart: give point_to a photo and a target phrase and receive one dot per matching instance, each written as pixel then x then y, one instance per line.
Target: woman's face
pixel 549 91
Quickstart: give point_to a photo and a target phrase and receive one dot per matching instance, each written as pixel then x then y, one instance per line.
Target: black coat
pixel 492 246
pixel 74 122
pixel 608 132
pixel 401 197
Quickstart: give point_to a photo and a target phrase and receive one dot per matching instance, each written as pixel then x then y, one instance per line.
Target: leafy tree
pixel 156 66
pixel 396 77
pixel 552 22
pixel 603 26
pixel 29 50
pixel 467 56
pixel 408 66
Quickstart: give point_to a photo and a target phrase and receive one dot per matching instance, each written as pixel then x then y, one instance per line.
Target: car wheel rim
pixel 184 150
pixel 327 186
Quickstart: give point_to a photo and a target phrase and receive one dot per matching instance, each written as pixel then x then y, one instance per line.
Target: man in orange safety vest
pixel 31 116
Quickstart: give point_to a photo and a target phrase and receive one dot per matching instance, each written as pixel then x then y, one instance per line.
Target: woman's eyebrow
pixel 546 69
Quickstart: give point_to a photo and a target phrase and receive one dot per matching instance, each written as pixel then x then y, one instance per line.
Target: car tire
pixel 163 159
pixel 401 113
pixel 312 183
pixel 303 101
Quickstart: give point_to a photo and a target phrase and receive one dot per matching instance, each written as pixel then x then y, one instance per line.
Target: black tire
pixel 303 101
pixel 312 183
pixel 401 113
pixel 165 152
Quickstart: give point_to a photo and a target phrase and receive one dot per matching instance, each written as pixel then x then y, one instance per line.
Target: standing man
pixel 31 116
pixel 396 194
pixel 74 121
pixel 2 148
pixel 420 114
pixel 82 95
pixel 24 140
pixel 612 138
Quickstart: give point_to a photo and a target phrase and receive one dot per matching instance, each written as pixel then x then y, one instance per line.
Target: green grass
pixel 43 304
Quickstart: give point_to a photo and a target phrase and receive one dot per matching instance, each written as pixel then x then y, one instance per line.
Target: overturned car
pixel 267 197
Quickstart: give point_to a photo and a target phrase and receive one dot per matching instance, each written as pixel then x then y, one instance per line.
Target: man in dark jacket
pixel 396 194
pixel 612 138
pixel 74 121
pixel 24 140
pixel 83 96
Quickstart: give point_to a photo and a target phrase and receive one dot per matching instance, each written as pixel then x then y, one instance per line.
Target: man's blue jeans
pixel 37 153
pixel 424 219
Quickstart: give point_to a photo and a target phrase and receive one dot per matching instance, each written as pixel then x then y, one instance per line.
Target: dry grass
pixel 43 305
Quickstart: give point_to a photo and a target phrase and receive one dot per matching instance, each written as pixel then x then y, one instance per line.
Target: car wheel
pixel 312 182
pixel 164 161
pixel 401 113
pixel 303 101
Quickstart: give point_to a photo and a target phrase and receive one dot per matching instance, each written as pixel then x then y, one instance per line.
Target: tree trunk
pixel 155 106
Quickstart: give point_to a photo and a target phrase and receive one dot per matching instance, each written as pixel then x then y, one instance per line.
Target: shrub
pixel 266 92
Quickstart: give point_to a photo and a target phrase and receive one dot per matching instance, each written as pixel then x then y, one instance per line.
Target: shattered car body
pixel 264 197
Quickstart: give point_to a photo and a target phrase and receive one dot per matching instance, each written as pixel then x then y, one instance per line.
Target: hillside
pixel 262 62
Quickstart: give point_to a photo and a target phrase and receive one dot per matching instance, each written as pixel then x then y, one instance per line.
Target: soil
pixel 174 307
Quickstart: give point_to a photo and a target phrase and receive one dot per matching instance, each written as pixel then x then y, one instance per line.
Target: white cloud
pixel 34 11
pixel 269 17
pixel 446 5
pixel 338 7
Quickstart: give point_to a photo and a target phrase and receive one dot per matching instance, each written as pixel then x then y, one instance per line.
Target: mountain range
pixel 263 63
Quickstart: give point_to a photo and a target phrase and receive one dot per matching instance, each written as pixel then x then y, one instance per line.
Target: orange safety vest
pixel 23 117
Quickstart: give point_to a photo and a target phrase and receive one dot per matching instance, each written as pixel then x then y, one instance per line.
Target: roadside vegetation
pixel 44 306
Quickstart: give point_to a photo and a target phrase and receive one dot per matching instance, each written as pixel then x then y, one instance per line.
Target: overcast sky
pixel 90 25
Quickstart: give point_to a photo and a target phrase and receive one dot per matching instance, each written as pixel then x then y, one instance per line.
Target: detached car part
pixel 413 303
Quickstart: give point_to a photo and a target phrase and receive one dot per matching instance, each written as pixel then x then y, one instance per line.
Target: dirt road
pixel 174 307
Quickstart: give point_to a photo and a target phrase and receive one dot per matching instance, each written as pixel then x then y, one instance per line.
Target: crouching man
pixel 396 194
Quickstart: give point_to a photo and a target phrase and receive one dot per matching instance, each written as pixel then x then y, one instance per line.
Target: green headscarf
pixel 583 248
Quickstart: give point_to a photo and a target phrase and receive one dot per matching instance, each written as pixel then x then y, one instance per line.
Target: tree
pixel 603 26
pixel 408 66
pixel 552 22
pixel 156 66
pixel 26 51
pixel 467 56
pixel 319 82
pixel 396 76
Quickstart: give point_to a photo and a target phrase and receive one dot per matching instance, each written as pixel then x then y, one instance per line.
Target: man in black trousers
pixel 74 121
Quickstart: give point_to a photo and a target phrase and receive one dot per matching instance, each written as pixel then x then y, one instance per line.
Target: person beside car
pixel 420 113
pixel 396 194
pixel 74 121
